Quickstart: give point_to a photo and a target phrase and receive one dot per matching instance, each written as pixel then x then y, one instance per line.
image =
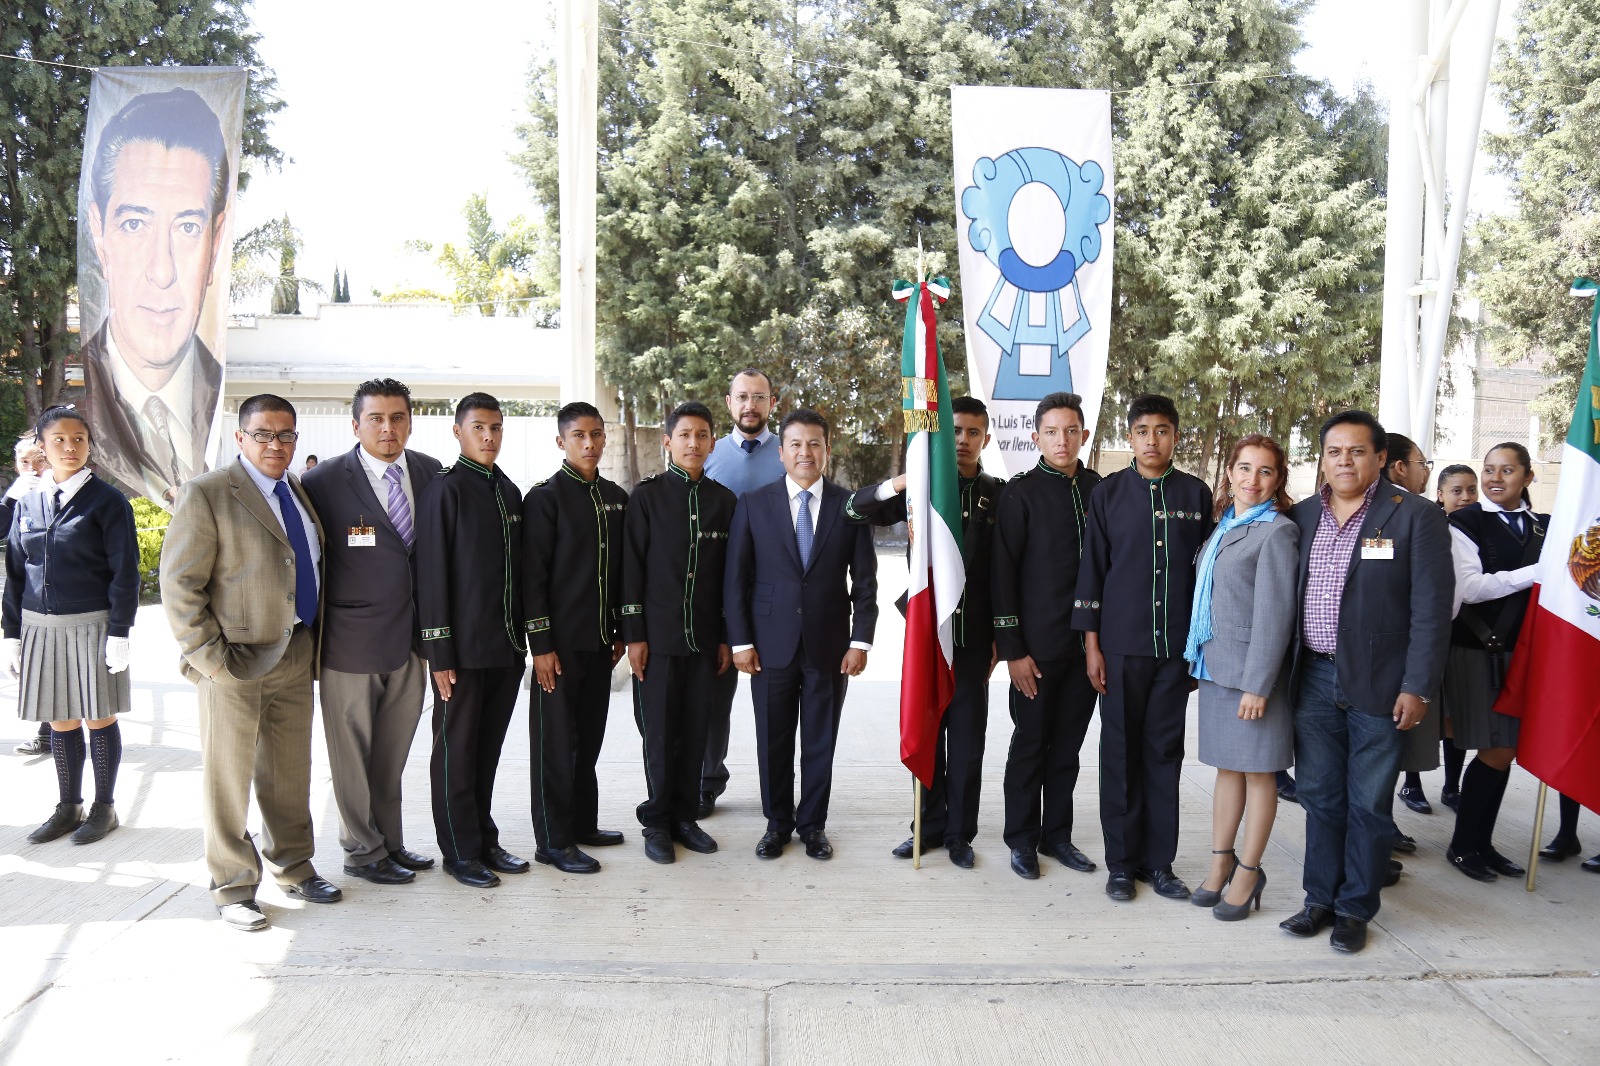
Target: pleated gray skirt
pixel 1228 742
pixel 64 675
pixel 1469 701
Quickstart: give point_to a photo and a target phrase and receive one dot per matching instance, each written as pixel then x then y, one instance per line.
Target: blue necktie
pixel 305 571
pixel 803 529
pixel 749 446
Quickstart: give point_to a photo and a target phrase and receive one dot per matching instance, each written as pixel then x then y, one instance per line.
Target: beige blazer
pixel 227 576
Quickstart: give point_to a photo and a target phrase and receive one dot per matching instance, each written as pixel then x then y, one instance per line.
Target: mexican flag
pixel 933 507
pixel 1552 683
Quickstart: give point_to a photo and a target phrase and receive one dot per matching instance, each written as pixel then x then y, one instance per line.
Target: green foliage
pixel 495 271
pixel 151 520
pixel 766 173
pixel 1521 263
pixel 42 112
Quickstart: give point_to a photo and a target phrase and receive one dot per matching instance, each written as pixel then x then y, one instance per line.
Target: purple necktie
pixel 399 510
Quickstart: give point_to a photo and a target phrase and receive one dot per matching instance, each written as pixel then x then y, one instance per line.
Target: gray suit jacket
pixel 227 576
pixel 1253 606
pixel 370 607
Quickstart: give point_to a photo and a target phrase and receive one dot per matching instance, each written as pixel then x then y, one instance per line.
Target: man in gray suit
pixel 372 672
pixel 241 584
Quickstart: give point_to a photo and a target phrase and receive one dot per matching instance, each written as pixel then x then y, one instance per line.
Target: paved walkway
pixel 111 952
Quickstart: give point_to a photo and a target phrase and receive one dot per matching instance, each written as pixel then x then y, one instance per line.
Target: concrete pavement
pixel 112 951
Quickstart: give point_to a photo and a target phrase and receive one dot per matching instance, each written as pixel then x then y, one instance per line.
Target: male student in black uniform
pixel 571 576
pixel 469 568
pixel 675 542
pixel 1038 543
pixel 1145 527
pixel 950 805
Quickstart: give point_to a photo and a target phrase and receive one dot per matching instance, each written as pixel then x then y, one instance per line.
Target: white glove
pixel 11 655
pixel 118 652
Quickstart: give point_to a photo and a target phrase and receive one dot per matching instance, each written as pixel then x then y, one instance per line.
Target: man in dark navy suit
pixel 800 598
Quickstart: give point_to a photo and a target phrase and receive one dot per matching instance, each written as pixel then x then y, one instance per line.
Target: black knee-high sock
pixel 45 730
pixel 105 753
pixel 1477 786
pixel 66 746
pixel 1491 808
pixel 1413 780
pixel 1569 819
pixel 1454 757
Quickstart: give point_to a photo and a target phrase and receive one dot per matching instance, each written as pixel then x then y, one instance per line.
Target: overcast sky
pixel 399 110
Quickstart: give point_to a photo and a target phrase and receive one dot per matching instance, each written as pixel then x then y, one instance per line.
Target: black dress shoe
pixel 1471 864
pixel 569 860
pixel 1416 800
pixel 771 844
pixel 102 820
pixel 1502 865
pixel 961 854
pixel 65 818
pixel 1311 920
pixel 1288 791
pixel 1025 862
pixel 903 850
pixel 1592 865
pixel 658 846
pixel 1119 886
pixel 245 914
pixel 498 858
pixel 1164 881
pixel 600 838
pixel 315 889
pixel 1349 934
pixel 817 846
pixel 410 859
pixel 707 804
pixel 1403 844
pixel 1559 850
pixel 384 871
pixel 471 873
pixel 1391 874
pixel 694 838
pixel 1450 797
pixel 1067 854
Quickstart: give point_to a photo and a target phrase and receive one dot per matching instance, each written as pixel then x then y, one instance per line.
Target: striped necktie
pixel 803 529
pixel 399 509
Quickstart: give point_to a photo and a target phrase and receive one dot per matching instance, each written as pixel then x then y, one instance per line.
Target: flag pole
pixel 1538 834
pixel 916 782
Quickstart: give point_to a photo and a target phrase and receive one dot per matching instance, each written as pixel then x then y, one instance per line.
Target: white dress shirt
pixel 268 489
pixel 68 488
pixel 1472 584
pixel 177 396
pixel 375 468
pixel 792 487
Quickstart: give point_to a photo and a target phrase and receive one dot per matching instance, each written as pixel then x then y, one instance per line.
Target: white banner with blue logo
pixel 1033 183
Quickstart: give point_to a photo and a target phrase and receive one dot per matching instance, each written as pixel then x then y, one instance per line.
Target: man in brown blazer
pixel 241 584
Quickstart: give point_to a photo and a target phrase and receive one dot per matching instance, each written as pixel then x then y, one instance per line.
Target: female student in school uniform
pixel 72 588
pixel 1494 544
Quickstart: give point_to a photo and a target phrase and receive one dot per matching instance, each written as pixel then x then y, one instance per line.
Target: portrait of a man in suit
pixel 156 217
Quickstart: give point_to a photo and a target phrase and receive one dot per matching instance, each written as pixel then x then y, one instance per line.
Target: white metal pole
pixel 577 122
pixel 1403 233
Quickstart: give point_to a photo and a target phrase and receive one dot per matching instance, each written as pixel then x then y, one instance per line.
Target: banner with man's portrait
pixel 1033 184
pixel 155 213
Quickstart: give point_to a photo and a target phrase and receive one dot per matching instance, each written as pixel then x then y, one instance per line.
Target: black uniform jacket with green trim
pixel 1038 542
pixel 980 497
pixel 469 569
pixel 572 562
pixel 675 542
pixel 1136 584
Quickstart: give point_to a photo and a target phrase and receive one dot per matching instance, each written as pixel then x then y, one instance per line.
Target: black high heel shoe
pixel 1238 912
pixel 1205 897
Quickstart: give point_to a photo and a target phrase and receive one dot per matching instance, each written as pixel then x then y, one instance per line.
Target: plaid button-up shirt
pixel 1331 551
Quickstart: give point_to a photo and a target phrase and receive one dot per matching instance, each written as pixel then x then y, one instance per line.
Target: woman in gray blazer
pixel 1239 632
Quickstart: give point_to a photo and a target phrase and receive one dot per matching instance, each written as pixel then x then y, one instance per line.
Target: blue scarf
pixel 1200 618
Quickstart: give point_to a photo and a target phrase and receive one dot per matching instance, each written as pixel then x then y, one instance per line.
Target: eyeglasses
pixel 1425 463
pixel 266 436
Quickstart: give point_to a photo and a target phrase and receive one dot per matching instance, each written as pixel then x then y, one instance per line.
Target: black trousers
pixel 670 707
pixel 809 698
pixel 1141 759
pixel 719 725
pixel 1043 762
pixel 468 731
pixel 565 731
pixel 950 805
